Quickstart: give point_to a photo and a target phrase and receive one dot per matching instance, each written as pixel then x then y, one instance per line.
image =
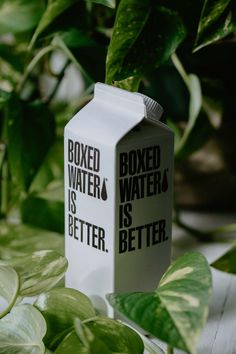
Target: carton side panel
pixel 144 189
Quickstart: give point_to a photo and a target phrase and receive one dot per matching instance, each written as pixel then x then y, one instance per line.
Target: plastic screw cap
pixel 154 109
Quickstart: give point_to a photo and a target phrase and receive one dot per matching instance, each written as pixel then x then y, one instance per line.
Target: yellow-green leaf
pixel 227 262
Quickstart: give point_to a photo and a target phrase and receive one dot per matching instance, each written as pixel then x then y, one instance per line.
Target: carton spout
pixel 154 110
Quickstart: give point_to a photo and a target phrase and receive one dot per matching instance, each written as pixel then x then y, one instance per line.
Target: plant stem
pixel 151 347
pixel 170 350
pixel 32 64
pixel 205 235
pixel 59 44
pixel 180 68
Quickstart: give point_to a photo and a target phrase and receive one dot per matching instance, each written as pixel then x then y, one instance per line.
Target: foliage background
pixel 42 43
pixel 181 53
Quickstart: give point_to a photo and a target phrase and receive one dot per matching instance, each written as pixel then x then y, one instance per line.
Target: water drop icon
pixel 164 186
pixel 104 190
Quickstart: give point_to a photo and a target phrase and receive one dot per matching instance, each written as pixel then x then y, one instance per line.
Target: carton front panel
pixel 89 217
pixel 144 212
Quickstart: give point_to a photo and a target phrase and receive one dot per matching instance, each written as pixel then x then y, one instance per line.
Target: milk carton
pixel 118 195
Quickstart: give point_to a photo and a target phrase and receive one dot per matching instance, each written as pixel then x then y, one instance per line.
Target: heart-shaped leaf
pixel 39 271
pixel 177 310
pixel 9 286
pixel 60 307
pixel 227 262
pixel 144 36
pixel 22 331
pixel 101 335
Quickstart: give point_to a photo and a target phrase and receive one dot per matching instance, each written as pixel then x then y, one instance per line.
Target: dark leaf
pixel 144 36
pixel 45 210
pixel 54 9
pixel 30 135
pixel 218 19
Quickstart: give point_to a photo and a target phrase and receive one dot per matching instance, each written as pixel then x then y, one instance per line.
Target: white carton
pixel 118 195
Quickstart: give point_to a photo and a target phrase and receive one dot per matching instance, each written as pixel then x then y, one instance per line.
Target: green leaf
pixel 177 310
pixel 54 9
pixel 60 306
pixel 117 337
pixel 39 271
pixel 18 240
pixel 131 83
pixel 101 335
pixel 75 38
pixel 144 36
pixel 9 286
pixel 108 3
pixel 22 331
pixel 227 262
pixel 72 344
pixel 218 19
pixel 30 135
pixel 19 15
pixel 46 209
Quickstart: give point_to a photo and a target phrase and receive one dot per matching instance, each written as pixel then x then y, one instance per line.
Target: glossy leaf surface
pixel 177 310
pixel 60 306
pixel 144 36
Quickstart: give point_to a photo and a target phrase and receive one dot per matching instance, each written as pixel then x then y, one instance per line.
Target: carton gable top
pixel 111 114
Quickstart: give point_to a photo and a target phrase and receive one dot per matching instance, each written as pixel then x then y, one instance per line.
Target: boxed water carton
pixel 118 195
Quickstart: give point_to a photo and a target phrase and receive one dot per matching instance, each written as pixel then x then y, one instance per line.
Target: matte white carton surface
pixel 118 195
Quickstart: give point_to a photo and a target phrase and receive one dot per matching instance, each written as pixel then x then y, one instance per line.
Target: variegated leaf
pixel 177 310
pixel 38 271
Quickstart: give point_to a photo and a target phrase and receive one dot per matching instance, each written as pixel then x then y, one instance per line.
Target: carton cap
pixel 153 109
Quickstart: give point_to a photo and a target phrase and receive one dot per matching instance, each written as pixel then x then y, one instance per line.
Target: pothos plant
pixel 123 44
pixel 63 320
